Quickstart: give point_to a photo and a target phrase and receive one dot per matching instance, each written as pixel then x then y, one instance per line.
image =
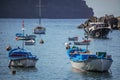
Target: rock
pixel 110 20
pixel 81 26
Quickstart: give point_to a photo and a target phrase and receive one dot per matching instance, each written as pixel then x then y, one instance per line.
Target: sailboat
pixel 20 57
pixel 39 29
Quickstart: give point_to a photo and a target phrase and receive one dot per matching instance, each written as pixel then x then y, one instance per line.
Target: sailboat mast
pixel 23 32
pixel 39 8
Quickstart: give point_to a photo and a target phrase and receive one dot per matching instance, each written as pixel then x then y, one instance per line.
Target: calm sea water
pixel 53 63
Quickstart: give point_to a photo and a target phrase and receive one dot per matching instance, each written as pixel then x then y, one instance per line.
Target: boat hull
pixel 30 42
pixel 23 63
pixel 39 31
pixel 100 32
pixel 81 43
pixel 73 39
pixel 100 65
pixel 20 36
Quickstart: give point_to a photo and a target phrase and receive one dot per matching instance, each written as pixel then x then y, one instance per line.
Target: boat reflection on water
pixel 23 69
pixel 93 75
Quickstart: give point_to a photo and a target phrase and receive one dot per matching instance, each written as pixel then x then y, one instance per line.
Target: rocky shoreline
pixel 114 22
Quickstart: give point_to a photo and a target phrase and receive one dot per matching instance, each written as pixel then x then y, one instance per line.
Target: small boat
pixel 73 39
pixel 31 36
pixel 20 57
pixel 97 30
pixel 30 42
pixel 39 30
pixel 84 60
pixel 20 36
pixel 84 42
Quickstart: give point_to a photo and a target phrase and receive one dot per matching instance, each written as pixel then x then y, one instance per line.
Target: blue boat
pixel 20 36
pixel 82 59
pixel 20 57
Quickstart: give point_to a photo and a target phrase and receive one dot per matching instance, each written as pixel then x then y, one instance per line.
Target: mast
pixel 39 9
pixel 23 33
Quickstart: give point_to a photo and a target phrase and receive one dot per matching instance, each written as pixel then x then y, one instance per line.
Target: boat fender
pixel 41 41
pixel 67 45
pixel 13 72
pixel 8 48
pixel 17 38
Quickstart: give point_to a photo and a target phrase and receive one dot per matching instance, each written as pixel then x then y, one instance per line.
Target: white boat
pixel 97 30
pixel 84 42
pixel 81 59
pixel 29 42
pixel 100 65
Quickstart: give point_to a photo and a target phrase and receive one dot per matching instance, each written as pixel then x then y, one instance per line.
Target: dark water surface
pixel 53 63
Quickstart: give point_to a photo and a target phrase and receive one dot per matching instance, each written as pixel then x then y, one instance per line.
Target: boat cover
pixel 20 53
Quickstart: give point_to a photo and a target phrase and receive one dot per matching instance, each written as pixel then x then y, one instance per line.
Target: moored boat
pixel 20 36
pixel 73 39
pixel 20 57
pixel 84 42
pixel 30 42
pixel 97 30
pixel 39 30
pixel 82 59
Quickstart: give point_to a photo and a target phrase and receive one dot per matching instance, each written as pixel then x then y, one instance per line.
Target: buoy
pixel 13 72
pixel 8 48
pixel 17 38
pixel 66 44
pixel 41 41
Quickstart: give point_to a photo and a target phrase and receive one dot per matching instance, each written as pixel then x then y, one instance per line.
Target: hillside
pixel 50 9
